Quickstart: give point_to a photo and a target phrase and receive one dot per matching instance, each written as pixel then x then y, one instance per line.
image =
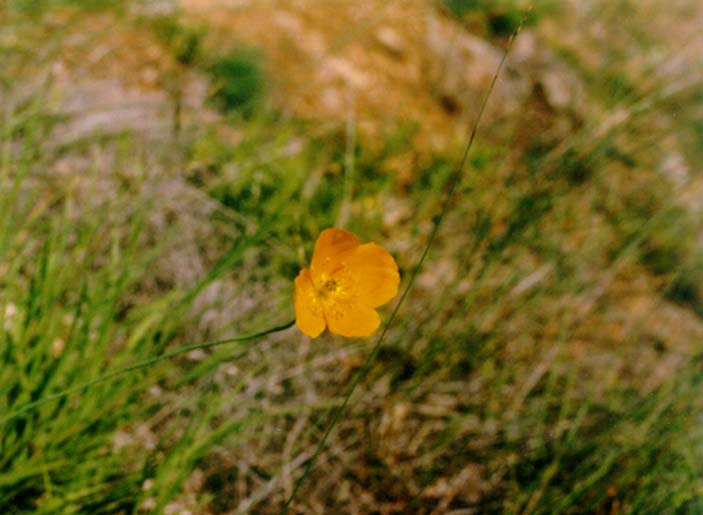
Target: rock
pixel 674 166
pixel 563 89
pixel 556 89
pixel 108 107
pixel 391 41
pixel 338 69
pixel 462 67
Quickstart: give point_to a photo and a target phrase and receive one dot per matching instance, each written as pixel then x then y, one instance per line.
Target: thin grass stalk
pixel 453 182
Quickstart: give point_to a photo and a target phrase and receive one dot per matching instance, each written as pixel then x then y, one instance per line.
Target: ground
pixel 546 360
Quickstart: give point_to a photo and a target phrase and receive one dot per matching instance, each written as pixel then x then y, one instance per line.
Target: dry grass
pixel 548 358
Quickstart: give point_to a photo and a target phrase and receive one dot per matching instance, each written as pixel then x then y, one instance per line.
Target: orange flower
pixel 343 285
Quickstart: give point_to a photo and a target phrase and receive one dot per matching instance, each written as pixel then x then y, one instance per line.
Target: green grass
pixel 43 6
pixel 499 18
pixel 517 368
pixel 238 80
pixel 184 41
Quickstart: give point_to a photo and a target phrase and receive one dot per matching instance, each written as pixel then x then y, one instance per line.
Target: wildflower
pixel 343 285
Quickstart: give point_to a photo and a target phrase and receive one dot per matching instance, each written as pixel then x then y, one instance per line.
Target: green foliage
pixel 38 6
pixel 68 315
pixel 56 319
pixel 687 286
pixel 460 7
pixel 238 81
pixel 184 41
pixel 500 18
pixel 499 368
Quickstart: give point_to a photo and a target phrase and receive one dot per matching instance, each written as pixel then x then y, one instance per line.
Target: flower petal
pixel 371 273
pixel 332 248
pixel 308 311
pixel 353 319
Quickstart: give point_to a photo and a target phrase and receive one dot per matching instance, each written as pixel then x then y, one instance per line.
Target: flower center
pixel 330 285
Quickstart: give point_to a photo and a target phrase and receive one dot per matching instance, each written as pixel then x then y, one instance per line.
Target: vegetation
pixel 546 361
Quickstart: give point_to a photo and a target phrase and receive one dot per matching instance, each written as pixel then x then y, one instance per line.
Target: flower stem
pixel 452 184
pixel 139 365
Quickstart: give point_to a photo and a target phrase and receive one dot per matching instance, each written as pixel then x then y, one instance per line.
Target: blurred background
pixel 165 168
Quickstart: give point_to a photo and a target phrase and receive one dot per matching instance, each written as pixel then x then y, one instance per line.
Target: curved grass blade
pixel 139 365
